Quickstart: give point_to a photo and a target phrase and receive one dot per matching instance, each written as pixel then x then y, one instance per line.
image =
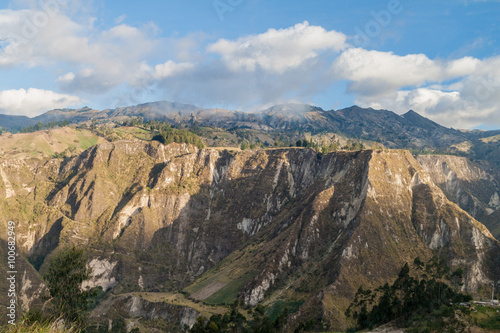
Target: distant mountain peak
pixel 418 120
pixel 413 114
pixel 292 108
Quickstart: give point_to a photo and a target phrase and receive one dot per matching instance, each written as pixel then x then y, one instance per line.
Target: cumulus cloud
pixel 217 85
pixel 469 102
pixel 171 68
pixel 374 73
pixel 33 102
pixel 272 67
pixel 101 60
pixel 451 108
pixel 278 50
pixel 286 64
pixel 295 63
pixel 400 83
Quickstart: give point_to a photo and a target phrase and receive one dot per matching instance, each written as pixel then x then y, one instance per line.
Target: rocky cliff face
pixel 468 185
pixel 265 225
pixel 355 220
pixel 23 185
pixel 140 311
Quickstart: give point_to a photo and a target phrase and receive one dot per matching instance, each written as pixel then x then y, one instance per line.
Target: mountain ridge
pixel 266 222
pixel 162 108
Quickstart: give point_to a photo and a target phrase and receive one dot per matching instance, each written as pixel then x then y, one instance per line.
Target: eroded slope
pixel 263 225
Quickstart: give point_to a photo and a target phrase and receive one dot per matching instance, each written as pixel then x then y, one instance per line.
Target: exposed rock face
pixel 22 182
pixel 468 185
pixel 101 274
pixel 158 217
pixel 383 210
pixel 135 308
pixel 29 287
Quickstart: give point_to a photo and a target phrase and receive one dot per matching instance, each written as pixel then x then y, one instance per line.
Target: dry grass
pixel 179 299
pixel 46 327
pixel 45 143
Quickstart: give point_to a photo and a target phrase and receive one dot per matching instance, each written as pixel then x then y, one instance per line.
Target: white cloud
pixel 472 101
pixel 68 77
pixel 120 18
pixel 99 60
pixel 272 67
pixel 298 63
pixel 123 32
pixel 375 73
pixel 278 50
pixel 33 102
pixel 463 92
pixel 171 68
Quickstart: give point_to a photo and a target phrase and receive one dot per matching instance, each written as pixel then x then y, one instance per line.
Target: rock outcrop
pixel 279 223
pixel 468 185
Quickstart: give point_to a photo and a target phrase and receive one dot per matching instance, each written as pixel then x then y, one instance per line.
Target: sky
pixel 438 58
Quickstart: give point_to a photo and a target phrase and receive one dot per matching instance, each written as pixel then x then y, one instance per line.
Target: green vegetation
pixel 279 307
pixel 333 146
pixel 86 141
pixel 60 155
pixel 436 151
pixel 422 301
pixel 487 317
pixel 179 136
pixel 40 126
pixel 234 321
pixel 66 272
pixel 66 310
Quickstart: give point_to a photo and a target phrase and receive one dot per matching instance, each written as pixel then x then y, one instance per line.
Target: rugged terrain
pixel 275 226
pixel 468 185
pixel 409 130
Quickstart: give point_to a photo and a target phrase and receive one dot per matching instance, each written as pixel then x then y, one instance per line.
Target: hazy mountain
pixel 406 131
pixel 15 122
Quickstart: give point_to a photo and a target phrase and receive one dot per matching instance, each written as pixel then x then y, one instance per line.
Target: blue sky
pixel 441 59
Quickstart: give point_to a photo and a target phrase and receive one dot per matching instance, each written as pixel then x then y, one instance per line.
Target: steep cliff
pixel 262 225
pixel 468 185
pixel 356 221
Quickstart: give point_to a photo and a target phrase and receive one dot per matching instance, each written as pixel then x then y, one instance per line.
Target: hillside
pixel 44 144
pixel 276 225
pixel 285 124
pixel 406 131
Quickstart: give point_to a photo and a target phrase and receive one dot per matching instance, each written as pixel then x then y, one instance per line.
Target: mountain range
pixel 409 130
pixel 174 231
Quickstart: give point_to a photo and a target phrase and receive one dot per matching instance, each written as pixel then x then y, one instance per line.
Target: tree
pixel 171 135
pixel 64 277
pixel 234 321
pixel 39 126
pixel 421 298
pixel 159 138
